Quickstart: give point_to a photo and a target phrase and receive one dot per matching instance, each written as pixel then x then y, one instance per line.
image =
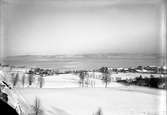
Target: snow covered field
pixel 61 95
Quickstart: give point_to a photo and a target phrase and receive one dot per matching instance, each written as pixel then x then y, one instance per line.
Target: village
pixel 140 75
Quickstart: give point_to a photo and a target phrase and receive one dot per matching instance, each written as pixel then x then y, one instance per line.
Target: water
pixel 86 62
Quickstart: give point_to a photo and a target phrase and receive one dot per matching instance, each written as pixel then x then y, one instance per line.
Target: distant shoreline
pixel 85 61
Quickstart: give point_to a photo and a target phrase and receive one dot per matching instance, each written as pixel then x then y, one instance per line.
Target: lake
pixel 86 62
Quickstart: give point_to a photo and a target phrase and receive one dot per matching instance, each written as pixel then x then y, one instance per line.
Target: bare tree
pixel 40 81
pixel 99 112
pixel 30 79
pixel 82 75
pixel 37 107
pixel 106 76
pixel 106 79
pixel 15 78
pixel 23 80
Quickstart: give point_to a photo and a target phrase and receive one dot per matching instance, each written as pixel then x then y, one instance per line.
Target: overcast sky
pixel 91 26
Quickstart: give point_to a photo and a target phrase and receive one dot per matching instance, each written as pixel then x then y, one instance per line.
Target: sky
pixel 53 27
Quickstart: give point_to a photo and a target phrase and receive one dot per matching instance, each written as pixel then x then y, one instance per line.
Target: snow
pixel 62 95
pixel 85 101
pixel 71 81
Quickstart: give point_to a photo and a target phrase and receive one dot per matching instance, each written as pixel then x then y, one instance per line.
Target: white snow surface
pixel 62 95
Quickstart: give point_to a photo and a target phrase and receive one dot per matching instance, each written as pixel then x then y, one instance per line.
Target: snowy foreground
pixel 62 95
